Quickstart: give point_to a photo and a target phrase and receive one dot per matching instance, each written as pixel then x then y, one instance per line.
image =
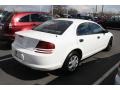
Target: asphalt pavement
pixel 100 68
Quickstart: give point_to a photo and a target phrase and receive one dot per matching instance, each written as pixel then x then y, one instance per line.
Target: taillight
pixel 44 47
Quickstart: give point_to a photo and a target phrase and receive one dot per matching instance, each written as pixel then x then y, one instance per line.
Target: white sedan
pixel 60 43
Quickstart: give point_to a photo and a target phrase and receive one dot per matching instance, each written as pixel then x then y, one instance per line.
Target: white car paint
pixel 64 44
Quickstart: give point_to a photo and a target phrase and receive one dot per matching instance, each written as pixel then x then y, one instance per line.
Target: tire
pixel 72 62
pixel 109 46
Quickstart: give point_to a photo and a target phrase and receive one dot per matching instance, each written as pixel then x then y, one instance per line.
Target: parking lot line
pixel 106 74
pixel 6 59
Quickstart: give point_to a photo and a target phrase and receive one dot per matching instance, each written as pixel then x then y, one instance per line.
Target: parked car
pixel 4 14
pixel 84 17
pixel 67 16
pixel 60 43
pixel 113 22
pixel 117 78
pixel 18 21
pixel 99 20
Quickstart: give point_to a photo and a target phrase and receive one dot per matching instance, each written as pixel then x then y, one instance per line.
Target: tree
pixel 1 9
pixel 59 10
pixel 72 11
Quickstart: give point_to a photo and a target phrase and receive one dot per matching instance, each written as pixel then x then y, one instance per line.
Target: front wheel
pixel 72 62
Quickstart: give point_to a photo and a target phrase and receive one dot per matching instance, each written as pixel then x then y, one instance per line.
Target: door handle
pixel 81 40
pixel 98 37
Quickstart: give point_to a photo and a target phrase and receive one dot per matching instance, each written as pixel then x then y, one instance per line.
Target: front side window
pixel 83 29
pixel 54 26
pixel 25 19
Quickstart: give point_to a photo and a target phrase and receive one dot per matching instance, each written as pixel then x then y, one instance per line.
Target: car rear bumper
pixel 35 60
pixel 39 67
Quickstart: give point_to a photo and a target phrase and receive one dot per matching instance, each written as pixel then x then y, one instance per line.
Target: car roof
pixel 26 13
pixel 31 12
pixel 22 14
pixel 75 20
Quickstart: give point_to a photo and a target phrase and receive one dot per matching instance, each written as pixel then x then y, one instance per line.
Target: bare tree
pixel 1 9
pixel 72 11
pixel 59 9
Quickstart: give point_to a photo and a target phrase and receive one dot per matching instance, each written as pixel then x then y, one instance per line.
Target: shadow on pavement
pixel 85 75
pixel 89 72
pixel 5 45
pixel 14 68
pixel 5 57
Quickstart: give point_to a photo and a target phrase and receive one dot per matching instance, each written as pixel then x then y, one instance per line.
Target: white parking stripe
pixel 106 74
pixel 6 59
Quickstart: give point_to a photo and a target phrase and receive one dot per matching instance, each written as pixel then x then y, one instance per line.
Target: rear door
pixel 87 41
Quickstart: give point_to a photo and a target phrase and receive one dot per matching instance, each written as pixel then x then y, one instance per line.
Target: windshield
pixel 54 26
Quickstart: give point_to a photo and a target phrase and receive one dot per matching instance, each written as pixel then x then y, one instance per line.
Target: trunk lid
pixel 30 38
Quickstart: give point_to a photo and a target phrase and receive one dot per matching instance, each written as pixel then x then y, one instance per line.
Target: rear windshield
pixel 54 26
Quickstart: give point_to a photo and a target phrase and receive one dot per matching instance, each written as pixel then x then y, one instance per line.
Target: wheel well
pixel 78 51
pixel 111 38
pixel 75 50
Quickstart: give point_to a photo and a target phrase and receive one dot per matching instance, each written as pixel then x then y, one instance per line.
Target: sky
pixel 47 8
pixel 92 8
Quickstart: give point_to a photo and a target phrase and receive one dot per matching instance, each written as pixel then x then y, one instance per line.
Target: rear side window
pixel 25 19
pixel 95 28
pixel 39 17
pixel 45 17
pixel 83 29
pixel 35 18
pixel 54 26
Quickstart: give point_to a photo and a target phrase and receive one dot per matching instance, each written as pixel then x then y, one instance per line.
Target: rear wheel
pixel 109 46
pixel 72 62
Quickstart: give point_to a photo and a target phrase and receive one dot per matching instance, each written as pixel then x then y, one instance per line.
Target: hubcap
pixel 73 63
